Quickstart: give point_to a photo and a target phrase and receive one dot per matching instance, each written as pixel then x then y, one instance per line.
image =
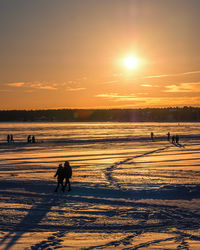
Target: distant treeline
pixel 185 114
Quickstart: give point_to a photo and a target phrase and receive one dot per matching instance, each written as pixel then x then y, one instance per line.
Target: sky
pixel 70 54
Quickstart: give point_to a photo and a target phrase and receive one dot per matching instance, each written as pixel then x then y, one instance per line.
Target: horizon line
pixel 89 109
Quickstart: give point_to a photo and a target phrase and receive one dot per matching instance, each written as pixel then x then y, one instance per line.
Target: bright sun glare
pixel 131 62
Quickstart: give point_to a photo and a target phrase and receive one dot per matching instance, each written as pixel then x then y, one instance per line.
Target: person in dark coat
pixel 60 177
pixel 29 139
pixel 177 139
pixel 11 139
pixel 8 138
pixel 67 175
pixel 152 136
pixel 168 136
pixel 33 139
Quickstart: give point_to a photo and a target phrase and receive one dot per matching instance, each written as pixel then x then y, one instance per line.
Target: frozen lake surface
pixel 94 131
pixel 127 192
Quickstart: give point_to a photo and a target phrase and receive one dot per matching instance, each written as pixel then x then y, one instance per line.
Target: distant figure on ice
pixel 11 138
pixel 8 138
pixel 177 139
pixel 168 136
pixel 152 136
pixel 173 139
pixel 60 177
pixel 67 175
pixel 29 139
pixel 33 139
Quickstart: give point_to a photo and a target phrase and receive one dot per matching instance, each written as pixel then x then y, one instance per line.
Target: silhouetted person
pixel 152 136
pixel 29 139
pixel 11 138
pixel 173 139
pixel 8 138
pixel 60 177
pixel 177 139
pixel 67 175
pixel 168 136
pixel 33 139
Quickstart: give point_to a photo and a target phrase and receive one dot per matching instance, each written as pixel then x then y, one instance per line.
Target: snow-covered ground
pixel 138 194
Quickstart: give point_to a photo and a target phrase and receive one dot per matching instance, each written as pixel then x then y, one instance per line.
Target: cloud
pixel 43 85
pixel 157 76
pixel 116 97
pixel 146 85
pixel 34 85
pixel 111 95
pixel 70 85
pixel 170 100
pixel 16 84
pixel 178 74
pixel 139 79
pixel 47 87
pixel 191 72
pixel 123 101
pixel 74 89
pixel 183 88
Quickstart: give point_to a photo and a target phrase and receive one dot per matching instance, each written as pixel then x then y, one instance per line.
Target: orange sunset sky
pixel 72 53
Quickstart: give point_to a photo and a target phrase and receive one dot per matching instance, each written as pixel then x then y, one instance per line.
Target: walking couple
pixel 63 173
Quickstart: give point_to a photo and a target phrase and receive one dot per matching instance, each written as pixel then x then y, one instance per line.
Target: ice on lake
pixel 128 192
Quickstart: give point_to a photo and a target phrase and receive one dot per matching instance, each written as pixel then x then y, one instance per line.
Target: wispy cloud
pixel 46 87
pixel 191 72
pixel 110 95
pixel 117 97
pixel 74 89
pixel 136 101
pixel 157 76
pixel 16 84
pixel 177 74
pixel 43 85
pixel 183 87
pixel 119 79
pixel 34 85
pixel 146 85
pixel 71 85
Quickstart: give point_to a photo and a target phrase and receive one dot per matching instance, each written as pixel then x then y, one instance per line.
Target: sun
pixel 131 62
